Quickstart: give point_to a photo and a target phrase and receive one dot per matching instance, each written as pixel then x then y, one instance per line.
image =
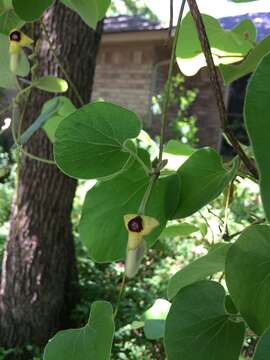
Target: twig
pixel 230 237
pixel 165 106
pixel 214 78
pixel 72 85
pixel 208 227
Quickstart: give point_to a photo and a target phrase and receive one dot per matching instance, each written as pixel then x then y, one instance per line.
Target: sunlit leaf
pixel 234 72
pixel 227 46
pixel 176 153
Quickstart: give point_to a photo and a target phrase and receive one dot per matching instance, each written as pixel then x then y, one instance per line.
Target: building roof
pixel 126 23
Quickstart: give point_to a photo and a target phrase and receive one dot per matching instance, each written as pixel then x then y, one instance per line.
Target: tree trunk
pixel 39 262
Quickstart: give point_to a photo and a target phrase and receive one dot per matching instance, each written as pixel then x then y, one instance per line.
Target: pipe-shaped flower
pixel 17 40
pixel 137 226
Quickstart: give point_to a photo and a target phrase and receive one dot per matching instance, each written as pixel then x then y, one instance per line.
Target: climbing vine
pixel 136 193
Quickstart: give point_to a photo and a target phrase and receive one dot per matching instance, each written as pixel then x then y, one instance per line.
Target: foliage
pixel 227 46
pixel 102 141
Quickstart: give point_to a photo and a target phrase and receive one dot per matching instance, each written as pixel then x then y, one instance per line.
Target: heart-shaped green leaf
pixel 91 11
pixel 234 72
pixel 176 153
pixel 258 125
pixel 198 326
pixel 199 269
pixel 248 276
pixel 31 10
pixel 102 226
pixel 227 46
pixel 90 143
pixel 92 342
pixel 202 178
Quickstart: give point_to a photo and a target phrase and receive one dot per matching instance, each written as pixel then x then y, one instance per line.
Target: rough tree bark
pixel 39 262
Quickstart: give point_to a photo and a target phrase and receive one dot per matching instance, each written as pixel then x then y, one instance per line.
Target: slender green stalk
pixel 72 85
pixel 147 194
pixel 166 101
pixel 121 292
pixel 139 160
pixel 37 158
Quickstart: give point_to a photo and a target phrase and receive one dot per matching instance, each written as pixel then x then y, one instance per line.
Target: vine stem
pixel 215 81
pixel 72 85
pixel 156 172
pixel 147 194
pixel 138 159
pixel 121 291
pixel 165 107
pixel 37 158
